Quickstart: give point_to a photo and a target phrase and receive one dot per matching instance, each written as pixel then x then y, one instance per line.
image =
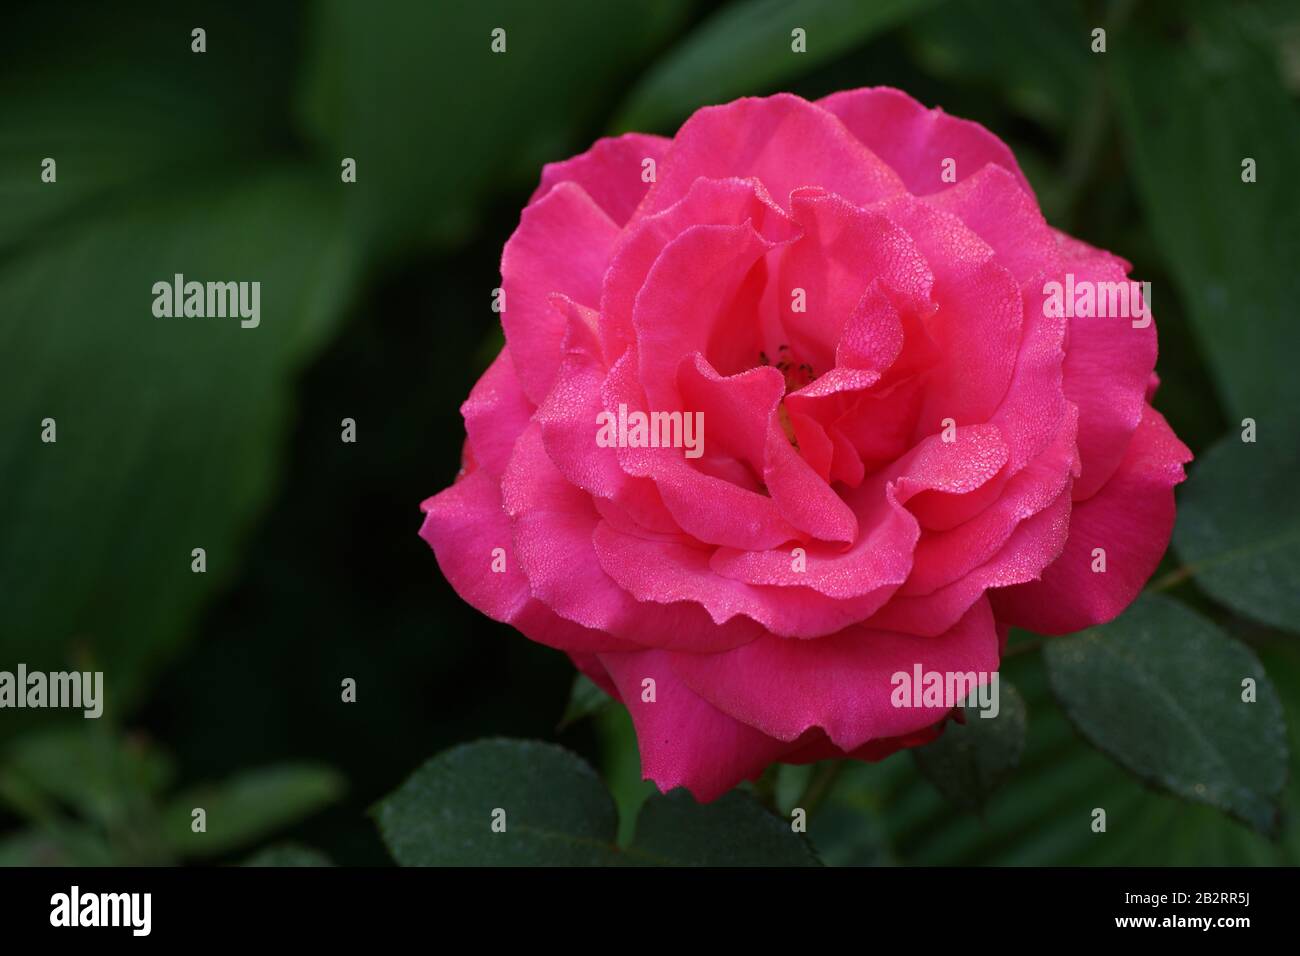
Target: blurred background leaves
pixel 194 433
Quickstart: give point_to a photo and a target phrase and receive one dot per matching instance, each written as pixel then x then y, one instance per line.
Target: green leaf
pixel 556 812
pixel 1160 690
pixel 792 783
pixel 969 761
pixel 734 830
pixel 168 161
pixel 585 699
pixel 554 808
pixel 104 776
pixel 1034 55
pixel 888 812
pixel 288 854
pixel 68 846
pixel 128 116
pixel 166 427
pixel 1238 529
pixel 1231 246
pixel 248 806
pixel 436 121
pixel 745 49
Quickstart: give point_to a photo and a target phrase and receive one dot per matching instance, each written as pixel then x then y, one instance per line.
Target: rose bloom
pixel 906 450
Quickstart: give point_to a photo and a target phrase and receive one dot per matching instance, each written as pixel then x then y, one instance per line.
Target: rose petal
pixel 664 570
pixel 915 141
pixel 496 413
pixel 568 420
pixel 783 141
pixel 562 245
pixel 684 741
pixel 842 684
pixel 1131 518
pixel 464 525
pixel 553 523
pixel 612 172
pixel 842 250
pixel 1107 368
pixel 715 202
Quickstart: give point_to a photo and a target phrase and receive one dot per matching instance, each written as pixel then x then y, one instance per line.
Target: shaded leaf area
pixel 1242 555
pixel 500 801
pixel 1035 56
pixel 288 855
pixel 585 699
pixel 747 49
pixel 734 830
pixel 93 797
pixel 887 813
pixel 457 122
pixel 1231 245
pixel 526 803
pixel 1026 69
pixel 247 807
pixel 101 776
pixel 120 118
pixel 970 760
pixel 1179 703
pixel 71 846
pixel 337 583
pixel 166 428
pixel 165 431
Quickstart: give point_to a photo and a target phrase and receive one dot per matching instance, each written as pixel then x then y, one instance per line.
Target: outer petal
pixel 562 245
pixel 684 741
pixel 995 205
pixel 784 141
pixel 842 684
pixel 819 747
pixel 496 413
pixel 463 525
pixel 1107 368
pixel 1131 518
pixel 611 172
pixel 915 141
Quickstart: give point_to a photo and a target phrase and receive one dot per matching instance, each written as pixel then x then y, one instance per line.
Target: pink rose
pixel 907 447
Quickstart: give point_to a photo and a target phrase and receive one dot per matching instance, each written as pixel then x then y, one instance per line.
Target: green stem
pixel 1172 579
pixel 1023 647
pixel 820 786
pixel 765 787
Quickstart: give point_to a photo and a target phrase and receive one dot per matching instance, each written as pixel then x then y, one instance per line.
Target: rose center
pixel 797 373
